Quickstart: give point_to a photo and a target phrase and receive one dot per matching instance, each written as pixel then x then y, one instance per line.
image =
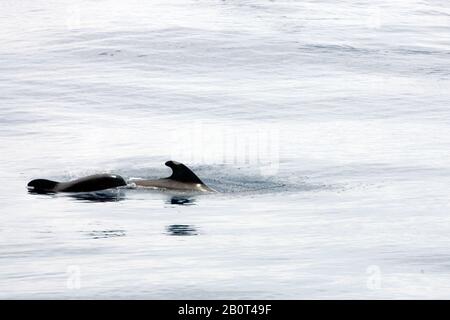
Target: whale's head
pixel 108 181
pixel 42 186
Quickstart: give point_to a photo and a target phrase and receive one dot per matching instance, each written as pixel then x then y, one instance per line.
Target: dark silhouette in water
pixel 92 183
pixel 181 230
pixel 103 234
pixel 179 200
pixel 182 178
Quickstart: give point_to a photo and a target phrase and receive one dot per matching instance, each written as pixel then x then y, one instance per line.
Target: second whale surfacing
pixel 97 182
pixel 182 179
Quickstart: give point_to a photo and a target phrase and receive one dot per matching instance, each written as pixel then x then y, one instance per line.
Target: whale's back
pixel 93 183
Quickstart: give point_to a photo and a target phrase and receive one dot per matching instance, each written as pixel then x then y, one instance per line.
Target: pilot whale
pixel 91 183
pixel 182 179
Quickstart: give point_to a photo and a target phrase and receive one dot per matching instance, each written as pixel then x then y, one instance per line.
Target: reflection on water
pixel 181 200
pixel 102 196
pixel 106 196
pixel 32 191
pixel 102 234
pixel 181 230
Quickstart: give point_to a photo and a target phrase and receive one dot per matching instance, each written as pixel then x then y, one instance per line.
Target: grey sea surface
pixel 324 125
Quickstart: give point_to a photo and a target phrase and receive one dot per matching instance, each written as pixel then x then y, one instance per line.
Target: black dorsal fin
pixel 182 173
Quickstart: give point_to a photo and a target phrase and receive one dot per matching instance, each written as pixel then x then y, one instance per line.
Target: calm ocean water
pixel 324 125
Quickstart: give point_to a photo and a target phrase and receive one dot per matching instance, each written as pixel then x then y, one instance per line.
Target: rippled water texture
pixel 323 125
